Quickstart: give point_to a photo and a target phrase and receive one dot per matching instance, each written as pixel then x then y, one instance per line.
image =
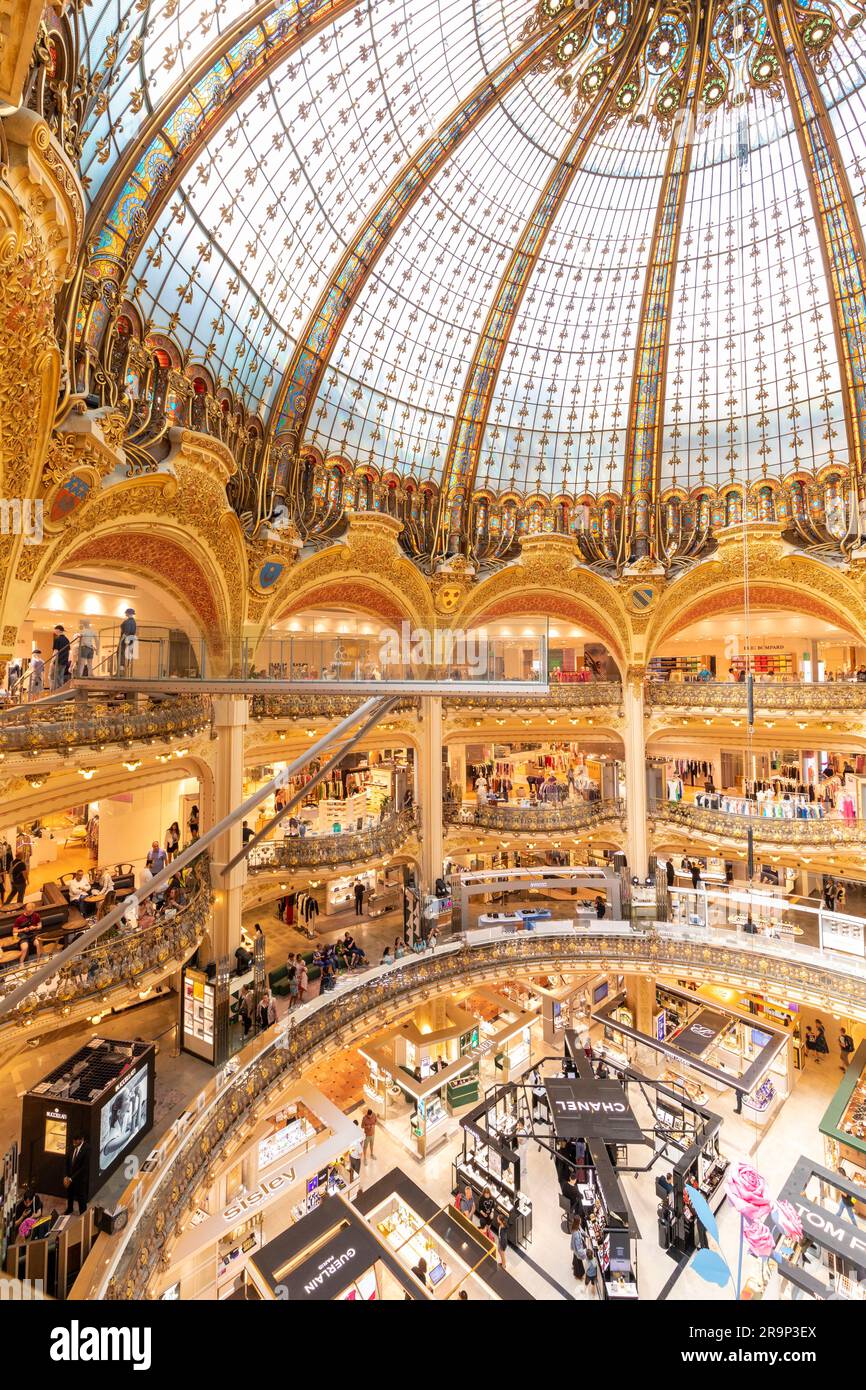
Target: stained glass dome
pixel 504 246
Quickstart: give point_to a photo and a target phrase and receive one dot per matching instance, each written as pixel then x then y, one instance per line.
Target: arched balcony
pixel 331 851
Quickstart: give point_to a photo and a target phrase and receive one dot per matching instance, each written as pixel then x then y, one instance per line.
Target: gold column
pixel 41 225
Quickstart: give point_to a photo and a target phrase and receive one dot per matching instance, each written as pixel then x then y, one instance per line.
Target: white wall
pixel 127 829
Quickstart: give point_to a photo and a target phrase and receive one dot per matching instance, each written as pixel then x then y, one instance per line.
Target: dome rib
pixel 188 117
pixel 841 235
pixel 464 450
pixel 297 391
pixel 646 412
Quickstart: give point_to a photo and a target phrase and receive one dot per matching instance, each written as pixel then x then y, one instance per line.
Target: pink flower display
pixel 747 1192
pixel 789 1219
pixel 759 1239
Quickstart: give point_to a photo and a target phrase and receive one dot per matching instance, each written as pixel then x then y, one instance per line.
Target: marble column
pixel 430 791
pixel 231 714
pixel 635 772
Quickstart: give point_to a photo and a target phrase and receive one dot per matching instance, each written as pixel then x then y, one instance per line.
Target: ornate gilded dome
pixel 507 248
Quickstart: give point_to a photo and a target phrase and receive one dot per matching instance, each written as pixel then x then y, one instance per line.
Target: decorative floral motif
pixel 747 1191
pixel 759 1239
pixel 789 1219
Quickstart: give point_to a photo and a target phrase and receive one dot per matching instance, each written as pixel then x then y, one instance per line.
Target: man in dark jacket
pixel 17 879
pixel 77 1171
pixel 60 647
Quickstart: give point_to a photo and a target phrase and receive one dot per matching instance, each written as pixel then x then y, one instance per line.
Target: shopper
pixel 36 673
pixel 356 1154
pixel 172 840
pixel 387 958
pixel 127 647
pixel 75 1180
pixel 156 858
pixel 368 1125
pixel 267 1011
pixel 420 1271
pixel 822 1047
pixel 466 1202
pixel 303 979
pixel 78 890
pixel 501 1230
pixel 486 1211
pixel 846 1048
pixel 17 879
pixel 245 1008
pixel 60 647
pixel 359 898
pixel 590 1272
pixel 192 823
pixel 294 986
pixel 88 647
pixel 600 907
pixel 696 874
pixel 578 1248
pixel 669 872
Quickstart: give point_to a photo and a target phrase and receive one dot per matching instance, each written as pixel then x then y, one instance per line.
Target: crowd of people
pixel 76 657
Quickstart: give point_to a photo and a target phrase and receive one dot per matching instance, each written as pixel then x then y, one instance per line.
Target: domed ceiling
pixel 501 244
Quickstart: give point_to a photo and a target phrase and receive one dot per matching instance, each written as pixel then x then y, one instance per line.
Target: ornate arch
pixel 776 580
pixel 547 581
pixel 368 572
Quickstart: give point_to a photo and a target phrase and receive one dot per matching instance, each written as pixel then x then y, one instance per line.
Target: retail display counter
pixel 843 1124
pixel 460 1261
pixel 105 1093
pixel 332 1255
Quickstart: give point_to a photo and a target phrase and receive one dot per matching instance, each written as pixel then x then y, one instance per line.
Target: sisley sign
pixel 267 1188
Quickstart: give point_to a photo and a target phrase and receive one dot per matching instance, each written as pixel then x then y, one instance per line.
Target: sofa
pixel 123 875
pixel 278 980
pixel 57 931
pixel 53 910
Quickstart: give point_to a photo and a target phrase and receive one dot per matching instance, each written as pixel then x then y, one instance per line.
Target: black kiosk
pixel 104 1093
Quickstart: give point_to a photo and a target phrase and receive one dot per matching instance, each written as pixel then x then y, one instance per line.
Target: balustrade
pixel 348 847
pixel 118 959
pixel 543 819
pixel 771 829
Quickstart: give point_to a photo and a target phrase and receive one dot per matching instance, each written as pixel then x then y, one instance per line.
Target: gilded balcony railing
pixel 85 720
pixel 767 829
pixel 123 1266
pixel 118 960
pixel 566 816
pixel 312 706
pixel 322 851
pixel 580 695
pixel 795 696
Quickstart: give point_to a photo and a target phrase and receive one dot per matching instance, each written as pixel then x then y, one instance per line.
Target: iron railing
pixel 120 959
pixel 566 816
pixel 775 830
pixel 322 851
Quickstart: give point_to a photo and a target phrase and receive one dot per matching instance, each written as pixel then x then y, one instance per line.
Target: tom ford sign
pixel 591 1109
